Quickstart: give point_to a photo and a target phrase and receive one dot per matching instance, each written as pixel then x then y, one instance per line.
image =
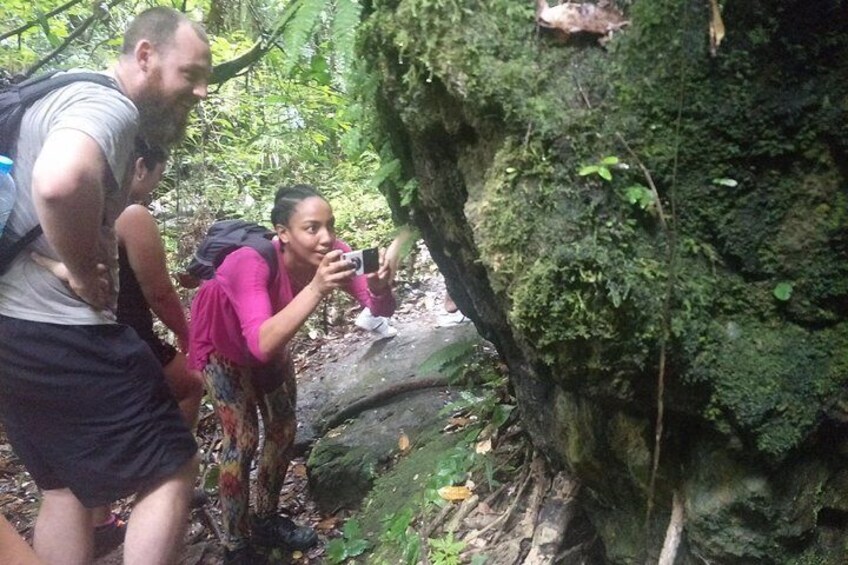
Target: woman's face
pixel 310 233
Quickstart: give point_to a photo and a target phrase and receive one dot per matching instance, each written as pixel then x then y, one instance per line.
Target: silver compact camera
pixel 364 261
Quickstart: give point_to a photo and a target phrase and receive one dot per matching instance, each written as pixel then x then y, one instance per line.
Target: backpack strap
pixel 30 91
pixel 34 88
pixel 10 249
pixel 268 252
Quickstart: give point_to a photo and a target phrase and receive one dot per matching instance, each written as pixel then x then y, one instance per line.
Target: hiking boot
pixel 244 556
pixel 274 531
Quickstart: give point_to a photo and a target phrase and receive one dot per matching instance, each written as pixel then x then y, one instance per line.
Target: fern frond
pixel 345 21
pixel 449 359
pixel 298 31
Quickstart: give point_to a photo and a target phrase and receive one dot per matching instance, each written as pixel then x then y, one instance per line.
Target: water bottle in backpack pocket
pixel 8 192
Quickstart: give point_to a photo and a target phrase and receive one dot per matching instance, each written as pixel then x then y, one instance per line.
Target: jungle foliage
pixel 280 113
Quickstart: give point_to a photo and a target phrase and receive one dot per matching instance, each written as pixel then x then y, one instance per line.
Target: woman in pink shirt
pixel 241 325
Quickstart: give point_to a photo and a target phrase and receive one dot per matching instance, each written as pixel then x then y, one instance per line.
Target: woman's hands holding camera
pixel 380 281
pixel 332 273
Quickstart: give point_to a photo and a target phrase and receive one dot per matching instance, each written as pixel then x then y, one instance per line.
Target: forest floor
pixel 507 515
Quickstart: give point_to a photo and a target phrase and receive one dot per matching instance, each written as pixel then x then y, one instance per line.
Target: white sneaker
pixel 378 325
pixel 452 319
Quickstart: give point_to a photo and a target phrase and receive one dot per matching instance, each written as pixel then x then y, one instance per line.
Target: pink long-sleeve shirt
pixel 228 310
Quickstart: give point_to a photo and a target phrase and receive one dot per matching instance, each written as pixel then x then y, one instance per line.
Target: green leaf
pixel 783 291
pixel 409 192
pixel 726 182
pixel 345 22
pixel 639 195
pixel 298 30
pixel 611 160
pixel 352 530
pixel 210 481
pixel 452 354
pixel 357 547
pixel 587 170
pixel 336 551
pixel 604 173
pixel 385 171
pixel 500 414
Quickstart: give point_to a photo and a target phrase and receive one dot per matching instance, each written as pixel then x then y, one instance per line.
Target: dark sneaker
pixel 275 531
pixel 243 556
pixel 109 536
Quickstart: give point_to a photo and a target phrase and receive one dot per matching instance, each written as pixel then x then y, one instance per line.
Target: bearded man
pixel 82 398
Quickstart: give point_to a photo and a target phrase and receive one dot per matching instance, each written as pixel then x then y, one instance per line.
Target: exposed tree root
pixel 381 397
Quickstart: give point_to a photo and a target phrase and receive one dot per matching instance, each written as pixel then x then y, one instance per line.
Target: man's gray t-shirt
pixel 27 290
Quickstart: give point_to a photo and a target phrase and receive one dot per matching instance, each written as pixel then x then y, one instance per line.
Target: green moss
pixel 403 487
pixel 770 382
pixel 582 272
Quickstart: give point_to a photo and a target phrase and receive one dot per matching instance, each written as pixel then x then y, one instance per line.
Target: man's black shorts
pixel 164 351
pixel 87 408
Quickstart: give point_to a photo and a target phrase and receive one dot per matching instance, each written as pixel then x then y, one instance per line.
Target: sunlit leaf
pixel 454 493
pixel 726 182
pixel 783 291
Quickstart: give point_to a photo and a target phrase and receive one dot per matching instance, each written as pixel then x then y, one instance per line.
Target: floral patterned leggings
pixel 236 398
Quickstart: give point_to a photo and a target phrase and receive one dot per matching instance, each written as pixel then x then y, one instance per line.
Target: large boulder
pixel 510 150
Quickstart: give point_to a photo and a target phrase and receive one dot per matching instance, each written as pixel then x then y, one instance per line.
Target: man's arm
pixel 138 233
pixel 68 193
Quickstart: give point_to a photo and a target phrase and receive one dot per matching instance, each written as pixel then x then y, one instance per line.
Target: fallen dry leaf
pixel 716 28
pixel 576 17
pixel 483 446
pixel 327 524
pixel 454 493
pixel 403 442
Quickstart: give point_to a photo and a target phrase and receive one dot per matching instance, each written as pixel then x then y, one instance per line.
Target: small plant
pixel 783 291
pixel 350 545
pixel 398 531
pixel 446 550
pixel 602 168
pixel 450 361
pixel 639 195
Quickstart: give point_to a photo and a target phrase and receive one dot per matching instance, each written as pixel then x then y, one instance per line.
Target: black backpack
pixel 14 101
pixel 224 237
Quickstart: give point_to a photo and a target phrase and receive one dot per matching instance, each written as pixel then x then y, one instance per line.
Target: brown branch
pixel 80 29
pixel 19 30
pixel 230 69
pixel 225 71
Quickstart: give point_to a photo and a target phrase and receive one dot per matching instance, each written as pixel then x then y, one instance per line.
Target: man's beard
pixel 160 124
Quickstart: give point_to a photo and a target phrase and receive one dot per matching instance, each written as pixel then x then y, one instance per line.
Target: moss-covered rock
pixel 736 275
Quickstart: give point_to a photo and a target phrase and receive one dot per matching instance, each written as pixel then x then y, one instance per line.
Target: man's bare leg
pixel 64 533
pixel 159 519
pixel 13 548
